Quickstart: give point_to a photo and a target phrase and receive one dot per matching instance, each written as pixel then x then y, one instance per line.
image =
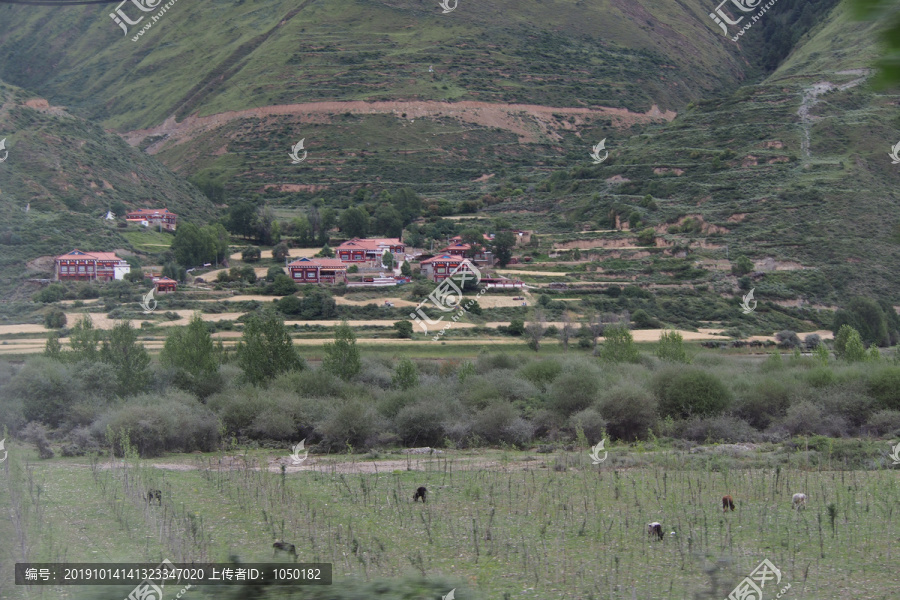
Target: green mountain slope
pixel 67 172
pixel 220 56
pixel 828 207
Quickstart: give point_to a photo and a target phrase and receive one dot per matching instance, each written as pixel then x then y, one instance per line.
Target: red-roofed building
pixel 318 270
pixel 105 266
pixel 460 249
pixel 164 284
pixel 369 249
pixel 438 268
pixel 153 217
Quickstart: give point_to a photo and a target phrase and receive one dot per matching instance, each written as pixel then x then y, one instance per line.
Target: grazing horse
pixel 655 529
pixel 420 493
pixel 151 494
pixel 798 501
pixel 284 547
pixel 727 503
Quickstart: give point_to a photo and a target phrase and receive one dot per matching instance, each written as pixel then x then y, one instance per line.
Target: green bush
pixel 690 393
pixel 422 422
pixel 764 402
pixel 55 319
pixel 174 422
pixel 671 347
pixel 884 386
pixel 630 412
pixel 573 391
pixel 238 408
pixel 354 422
pixel 541 372
pixel 618 345
pixel 251 254
pixel 591 422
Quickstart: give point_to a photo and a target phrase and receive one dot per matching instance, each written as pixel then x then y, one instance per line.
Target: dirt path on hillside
pixel 811 98
pixel 529 121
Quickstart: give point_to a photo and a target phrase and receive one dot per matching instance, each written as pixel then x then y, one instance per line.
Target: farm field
pixel 497 524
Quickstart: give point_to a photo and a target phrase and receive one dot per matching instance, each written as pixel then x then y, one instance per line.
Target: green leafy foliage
pixel 266 349
pixel 671 347
pixel 690 393
pixel 406 375
pixel 342 358
pixel 618 345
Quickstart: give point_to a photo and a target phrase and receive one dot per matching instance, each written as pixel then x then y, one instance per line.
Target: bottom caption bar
pixel 157 575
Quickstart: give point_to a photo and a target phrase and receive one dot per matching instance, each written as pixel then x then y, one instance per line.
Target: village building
pixel 360 250
pixel 164 284
pixel 153 217
pixel 104 266
pixel 318 270
pixel 461 250
pixel 438 268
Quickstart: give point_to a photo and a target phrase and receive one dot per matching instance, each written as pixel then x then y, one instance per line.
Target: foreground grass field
pixel 498 524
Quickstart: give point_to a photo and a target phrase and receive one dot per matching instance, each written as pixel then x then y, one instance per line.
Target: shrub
pixel 406 375
pixel 629 412
pixel 237 409
pixel 79 442
pixel 280 251
pixel 494 423
pixel 404 329
pixel 591 423
pixel 647 237
pixel 884 423
pixel 812 341
pixel 282 285
pixel 619 346
pixel 354 422
pixel 36 434
pixel 155 424
pixel 541 372
pixel 821 377
pixel 848 345
pixel 55 319
pixel 251 254
pixel 884 386
pixel 671 347
pixel 807 418
pixel 742 266
pixel 52 293
pixel 643 320
pixel 722 428
pixel 763 402
pixel 498 360
pixel 788 339
pixel 516 327
pixel 421 423
pixel 574 391
pixel 690 393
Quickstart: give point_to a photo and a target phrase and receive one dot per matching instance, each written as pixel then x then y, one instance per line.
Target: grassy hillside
pixel 742 165
pixel 68 172
pixel 222 56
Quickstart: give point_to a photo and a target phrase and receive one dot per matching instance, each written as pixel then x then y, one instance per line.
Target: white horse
pixel 798 501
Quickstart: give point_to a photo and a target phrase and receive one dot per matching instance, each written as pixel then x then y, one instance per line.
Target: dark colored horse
pixel 151 494
pixel 420 493
pixel 284 547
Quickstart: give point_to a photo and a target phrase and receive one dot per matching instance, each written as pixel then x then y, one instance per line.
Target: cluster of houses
pixel 370 251
pixel 363 252
pixel 102 266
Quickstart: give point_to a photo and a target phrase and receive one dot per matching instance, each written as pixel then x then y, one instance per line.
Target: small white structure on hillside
pixel 109 216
